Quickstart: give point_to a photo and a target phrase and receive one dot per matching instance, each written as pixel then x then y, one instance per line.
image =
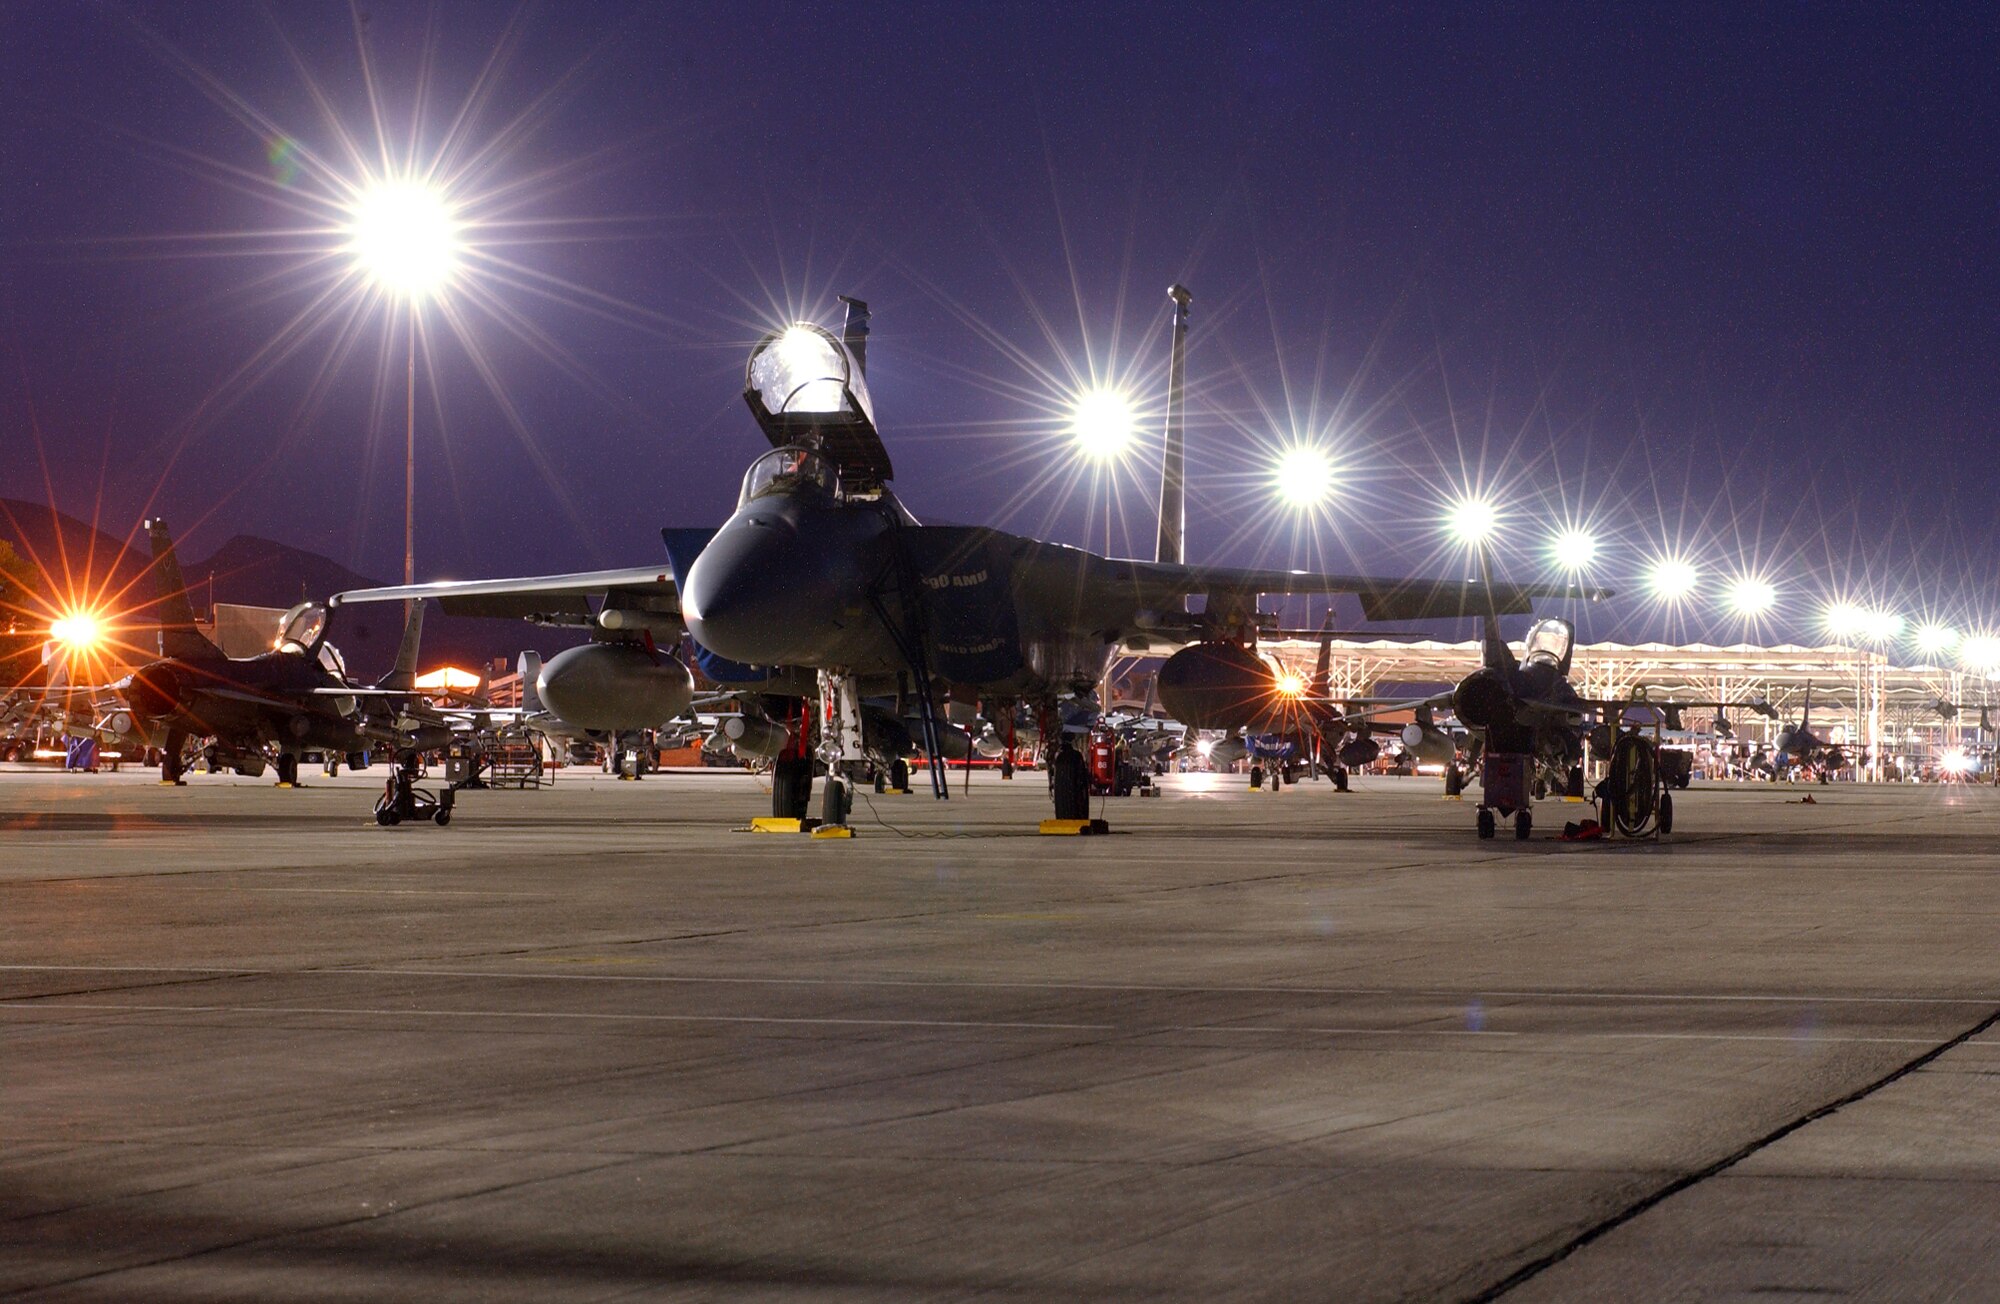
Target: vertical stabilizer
pixel 1172 545
pixel 1322 680
pixel 1495 653
pixel 178 635
pixel 402 677
pixel 854 332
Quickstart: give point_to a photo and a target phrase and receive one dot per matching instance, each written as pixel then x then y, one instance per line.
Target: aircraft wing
pixel 1382 598
pixel 533 595
pixel 961 568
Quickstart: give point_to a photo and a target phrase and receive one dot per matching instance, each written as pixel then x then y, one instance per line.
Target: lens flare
pixel 1933 639
pixel 404 235
pixel 1472 520
pixel 1304 476
pixel 1844 619
pixel 1673 579
pixel 1751 595
pixel 79 631
pixel 1103 424
pixel 1290 684
pixel 1574 549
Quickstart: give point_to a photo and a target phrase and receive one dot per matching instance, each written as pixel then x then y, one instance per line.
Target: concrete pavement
pixel 587 1043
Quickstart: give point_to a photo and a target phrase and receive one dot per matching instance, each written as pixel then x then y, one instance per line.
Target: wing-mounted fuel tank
pixel 614 686
pixel 754 737
pixel 1429 744
pixel 1360 750
pixel 1217 686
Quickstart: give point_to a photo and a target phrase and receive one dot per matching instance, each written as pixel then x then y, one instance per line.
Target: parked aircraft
pixel 822 584
pixel 292 699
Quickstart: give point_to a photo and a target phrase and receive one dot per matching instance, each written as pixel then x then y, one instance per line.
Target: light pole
pixel 404 237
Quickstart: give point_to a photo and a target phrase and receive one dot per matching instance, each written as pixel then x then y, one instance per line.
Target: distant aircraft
pixel 293 699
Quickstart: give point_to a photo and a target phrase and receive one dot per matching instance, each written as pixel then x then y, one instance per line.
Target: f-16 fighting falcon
pixel 823 584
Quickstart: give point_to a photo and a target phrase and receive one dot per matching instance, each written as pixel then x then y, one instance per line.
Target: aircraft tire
pixel 899 774
pixel 791 787
pixel 1486 823
pixel 1454 781
pixel 1069 784
pixel 1524 825
pixel 1666 813
pixel 1340 780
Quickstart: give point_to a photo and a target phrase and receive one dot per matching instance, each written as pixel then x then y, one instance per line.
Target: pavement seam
pixel 1596 1231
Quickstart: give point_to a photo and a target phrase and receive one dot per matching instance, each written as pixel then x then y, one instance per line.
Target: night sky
pixel 1717 279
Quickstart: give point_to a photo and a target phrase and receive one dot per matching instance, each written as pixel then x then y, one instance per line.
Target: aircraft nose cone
pixel 759 594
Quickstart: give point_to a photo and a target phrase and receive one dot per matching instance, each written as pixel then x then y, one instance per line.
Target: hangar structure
pixel 1857 693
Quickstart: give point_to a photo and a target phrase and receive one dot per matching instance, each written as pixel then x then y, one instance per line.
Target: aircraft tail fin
pixel 1322 680
pixel 1494 650
pixel 178 635
pixel 402 677
pixel 530 666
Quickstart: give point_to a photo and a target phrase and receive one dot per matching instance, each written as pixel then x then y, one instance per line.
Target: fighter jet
pixel 823 584
pixel 823 567
pixel 292 699
pixel 1799 748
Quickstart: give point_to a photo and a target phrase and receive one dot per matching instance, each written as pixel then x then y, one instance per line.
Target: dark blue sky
pixel 1721 279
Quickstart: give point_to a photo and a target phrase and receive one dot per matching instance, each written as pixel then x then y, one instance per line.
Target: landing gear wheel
pixel 791 787
pixel 836 800
pixel 1574 788
pixel 1524 824
pixel 1256 776
pixel 1069 784
pixel 1666 814
pixel 1486 823
pixel 1340 780
pixel 899 774
pixel 1541 788
pixel 1454 780
pixel 288 770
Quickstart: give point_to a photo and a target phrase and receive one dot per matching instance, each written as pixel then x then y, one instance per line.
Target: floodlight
pixel 404 235
pixel 1881 626
pixel 1472 520
pixel 1980 651
pixel 1304 476
pixel 79 631
pixel 1750 595
pixel 1574 549
pixel 1844 619
pixel 1934 639
pixel 1290 683
pixel 1102 422
pixel 1672 579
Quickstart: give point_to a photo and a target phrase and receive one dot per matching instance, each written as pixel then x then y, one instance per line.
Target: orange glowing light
pixel 80 631
pixel 1291 683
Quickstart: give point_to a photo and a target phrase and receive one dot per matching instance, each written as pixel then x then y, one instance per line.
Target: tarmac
pixel 590 1043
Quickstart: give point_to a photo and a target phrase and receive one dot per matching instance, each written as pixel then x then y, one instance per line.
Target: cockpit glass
pixel 786 470
pixel 301 625
pixel 1548 641
pixel 335 664
pixel 802 370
